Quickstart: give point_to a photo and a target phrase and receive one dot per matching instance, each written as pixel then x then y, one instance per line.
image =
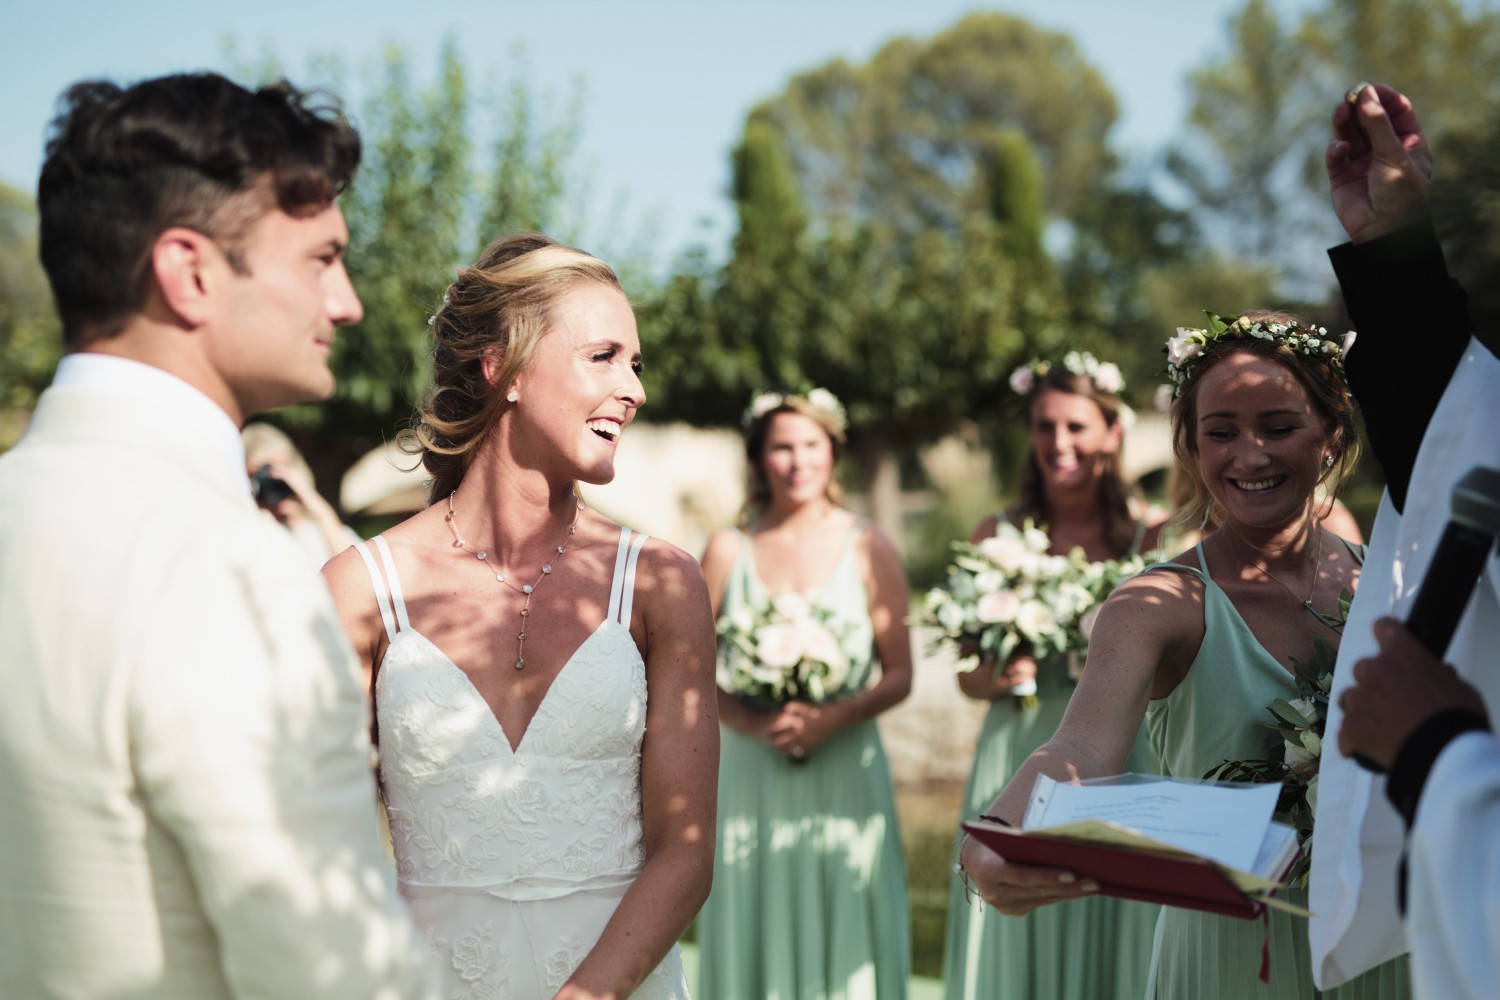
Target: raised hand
pixel 1379 165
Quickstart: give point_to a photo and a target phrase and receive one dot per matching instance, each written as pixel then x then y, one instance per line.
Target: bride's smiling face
pixel 582 386
pixel 1070 438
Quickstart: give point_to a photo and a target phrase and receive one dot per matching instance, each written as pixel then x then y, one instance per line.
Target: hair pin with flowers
pixel 818 399
pixel 1104 374
pixel 1185 351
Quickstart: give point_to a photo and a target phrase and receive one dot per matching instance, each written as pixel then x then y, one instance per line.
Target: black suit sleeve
pixel 1413 324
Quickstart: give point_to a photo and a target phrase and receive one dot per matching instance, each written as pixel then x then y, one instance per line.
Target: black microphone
pixel 1461 553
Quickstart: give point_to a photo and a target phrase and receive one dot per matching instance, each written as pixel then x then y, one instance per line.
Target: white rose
pixel 1108 378
pixel 1072 599
pixel 791 606
pixel 1021 380
pixel 822 399
pixel 778 646
pixel 1036 539
pixel 1007 552
pixel 1184 347
pixel 764 403
pixel 988 581
pixel 998 607
pixel 1034 618
pixel 1305 708
pixel 951 617
pixel 818 643
pixel 1296 758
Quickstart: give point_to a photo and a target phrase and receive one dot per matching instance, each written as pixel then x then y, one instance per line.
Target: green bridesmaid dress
pixel 1212 716
pixel 809 894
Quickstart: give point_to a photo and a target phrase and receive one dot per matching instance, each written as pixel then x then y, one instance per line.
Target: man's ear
pixel 182 262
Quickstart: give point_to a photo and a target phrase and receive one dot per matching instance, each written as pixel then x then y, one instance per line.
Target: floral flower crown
pixel 1185 351
pixel 818 399
pixel 1104 374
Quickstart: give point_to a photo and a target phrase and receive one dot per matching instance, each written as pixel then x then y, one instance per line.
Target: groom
pixel 186 802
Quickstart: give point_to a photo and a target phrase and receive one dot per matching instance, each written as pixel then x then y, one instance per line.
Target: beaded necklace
pixel 503 576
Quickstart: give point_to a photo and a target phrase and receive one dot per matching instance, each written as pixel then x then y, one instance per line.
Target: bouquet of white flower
pixel 1006 593
pixel 785 651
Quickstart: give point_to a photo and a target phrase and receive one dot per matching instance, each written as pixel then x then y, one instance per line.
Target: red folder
pixel 1173 880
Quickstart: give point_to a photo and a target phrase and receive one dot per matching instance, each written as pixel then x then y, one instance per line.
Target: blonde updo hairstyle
pixel 497 309
pixel 1117 498
pixel 758 495
pixel 1325 385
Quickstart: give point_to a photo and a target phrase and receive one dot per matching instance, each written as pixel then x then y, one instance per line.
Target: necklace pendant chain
pixel 503 576
pixel 1307 602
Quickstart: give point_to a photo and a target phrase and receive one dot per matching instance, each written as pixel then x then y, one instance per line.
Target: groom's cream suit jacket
pixel 186 803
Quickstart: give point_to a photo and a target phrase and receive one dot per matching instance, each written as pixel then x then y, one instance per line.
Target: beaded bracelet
pixel 970 890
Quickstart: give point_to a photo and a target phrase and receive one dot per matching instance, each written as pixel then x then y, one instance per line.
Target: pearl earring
pixel 1328 460
pixel 512 396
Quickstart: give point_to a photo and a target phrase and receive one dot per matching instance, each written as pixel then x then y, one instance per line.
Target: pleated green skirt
pixel 1204 955
pixel 809 896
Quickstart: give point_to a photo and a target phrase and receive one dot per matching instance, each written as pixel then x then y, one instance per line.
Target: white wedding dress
pixel 513 861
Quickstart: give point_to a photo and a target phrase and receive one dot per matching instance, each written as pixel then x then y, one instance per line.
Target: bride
pixel 542 678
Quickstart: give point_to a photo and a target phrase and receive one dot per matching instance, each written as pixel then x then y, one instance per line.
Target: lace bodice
pixel 561 812
pixel 476 825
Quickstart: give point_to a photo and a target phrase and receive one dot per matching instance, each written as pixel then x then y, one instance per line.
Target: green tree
pixel 912 344
pixel 1248 132
pixel 1251 161
pixel 30 335
pixel 904 140
pixel 1466 207
pixel 445 171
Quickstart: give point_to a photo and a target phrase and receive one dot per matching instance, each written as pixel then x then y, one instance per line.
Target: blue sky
pixel 667 83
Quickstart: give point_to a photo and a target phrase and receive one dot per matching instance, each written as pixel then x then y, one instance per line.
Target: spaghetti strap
pixel 615 592
pixel 627 585
pixel 397 601
pixel 382 596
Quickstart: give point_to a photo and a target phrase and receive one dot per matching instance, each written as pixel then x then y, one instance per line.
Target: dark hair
pixel 193 150
pixel 1325 385
pixel 1115 494
pixel 758 494
pixel 499 308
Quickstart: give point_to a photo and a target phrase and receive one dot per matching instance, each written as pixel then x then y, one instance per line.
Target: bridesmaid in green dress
pixel 809 891
pixel 1088 949
pixel 1201 645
